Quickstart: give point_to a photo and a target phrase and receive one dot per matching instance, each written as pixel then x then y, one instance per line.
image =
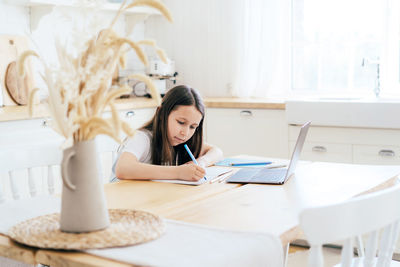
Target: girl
pixel 156 151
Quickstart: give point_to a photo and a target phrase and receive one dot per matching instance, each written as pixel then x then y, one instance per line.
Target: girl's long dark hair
pixel 163 153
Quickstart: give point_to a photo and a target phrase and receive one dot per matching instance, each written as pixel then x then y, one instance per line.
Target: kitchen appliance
pixel 140 88
pixel 161 86
pixel 158 68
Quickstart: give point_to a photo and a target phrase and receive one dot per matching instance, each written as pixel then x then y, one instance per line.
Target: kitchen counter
pixel 232 102
pixel 11 113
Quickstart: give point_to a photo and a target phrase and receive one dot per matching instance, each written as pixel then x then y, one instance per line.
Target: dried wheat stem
pixel 102 130
pixel 115 119
pixel 122 60
pixel 162 55
pixel 116 93
pixel 32 95
pixel 147 42
pixel 127 129
pixel 120 11
pixel 140 53
pixel 22 61
pixel 154 4
pixel 89 125
pixel 98 98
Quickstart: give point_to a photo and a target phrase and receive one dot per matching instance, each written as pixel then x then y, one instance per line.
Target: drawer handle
pixel 386 153
pixel 319 149
pixel 246 113
pixel 46 123
pixel 130 114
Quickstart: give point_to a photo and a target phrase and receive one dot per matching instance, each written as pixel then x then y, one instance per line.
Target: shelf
pixel 68 3
pixel 43 7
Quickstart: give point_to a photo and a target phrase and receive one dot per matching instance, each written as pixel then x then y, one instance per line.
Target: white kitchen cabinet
pixel 350 145
pixel 379 154
pixel 34 132
pixel 328 152
pixel 260 132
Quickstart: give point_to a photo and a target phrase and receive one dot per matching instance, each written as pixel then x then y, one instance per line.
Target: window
pixel 338 46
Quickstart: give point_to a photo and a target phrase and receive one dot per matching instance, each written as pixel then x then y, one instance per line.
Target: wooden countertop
pixel 236 102
pixel 11 113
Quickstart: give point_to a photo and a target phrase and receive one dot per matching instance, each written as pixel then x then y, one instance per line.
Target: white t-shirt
pixel 139 145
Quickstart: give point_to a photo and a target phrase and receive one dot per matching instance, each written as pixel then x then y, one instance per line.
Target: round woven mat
pixel 128 227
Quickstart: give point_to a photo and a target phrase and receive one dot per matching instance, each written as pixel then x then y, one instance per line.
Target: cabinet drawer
pixel 135 117
pixel 138 117
pixel 325 152
pixel 255 132
pixel 382 155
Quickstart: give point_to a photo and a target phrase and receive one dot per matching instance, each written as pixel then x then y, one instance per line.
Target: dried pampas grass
pixel 80 90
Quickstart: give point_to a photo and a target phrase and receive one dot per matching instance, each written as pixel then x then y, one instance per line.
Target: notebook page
pixel 212 173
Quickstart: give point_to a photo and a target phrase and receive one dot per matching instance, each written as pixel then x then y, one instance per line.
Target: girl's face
pixel 182 123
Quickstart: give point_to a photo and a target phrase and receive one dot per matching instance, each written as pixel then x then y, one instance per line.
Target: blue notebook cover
pixel 242 162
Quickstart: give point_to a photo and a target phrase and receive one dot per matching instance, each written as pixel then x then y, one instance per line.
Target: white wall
pixel 13 19
pixel 200 41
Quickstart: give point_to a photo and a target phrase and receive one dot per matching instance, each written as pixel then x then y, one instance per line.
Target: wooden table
pixel 260 208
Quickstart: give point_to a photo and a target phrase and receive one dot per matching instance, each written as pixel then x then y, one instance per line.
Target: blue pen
pixel 192 157
pixel 251 163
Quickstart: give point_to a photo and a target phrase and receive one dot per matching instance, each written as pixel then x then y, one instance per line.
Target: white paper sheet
pixel 212 173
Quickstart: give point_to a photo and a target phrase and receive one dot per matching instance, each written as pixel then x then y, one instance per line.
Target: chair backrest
pixel 19 163
pixel 29 171
pixel 108 151
pixel 368 214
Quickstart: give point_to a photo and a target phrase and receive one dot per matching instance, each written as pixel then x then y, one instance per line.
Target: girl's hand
pixel 190 172
pixel 199 161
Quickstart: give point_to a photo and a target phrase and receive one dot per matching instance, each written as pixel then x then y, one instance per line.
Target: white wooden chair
pixel 107 149
pixel 376 214
pixel 28 171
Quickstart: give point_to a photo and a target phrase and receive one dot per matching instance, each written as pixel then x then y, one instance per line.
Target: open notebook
pixel 212 174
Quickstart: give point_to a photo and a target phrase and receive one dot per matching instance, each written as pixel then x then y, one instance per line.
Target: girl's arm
pixel 209 155
pixel 128 167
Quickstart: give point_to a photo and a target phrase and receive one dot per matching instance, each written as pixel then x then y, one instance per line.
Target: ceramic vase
pixel 83 204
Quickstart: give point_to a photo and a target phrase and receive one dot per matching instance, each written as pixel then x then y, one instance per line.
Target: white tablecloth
pixel 183 244
pixel 192 245
pixel 15 211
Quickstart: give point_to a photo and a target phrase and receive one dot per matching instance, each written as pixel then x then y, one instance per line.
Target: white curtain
pixel 262 67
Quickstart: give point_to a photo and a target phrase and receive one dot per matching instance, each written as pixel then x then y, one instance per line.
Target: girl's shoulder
pixel 141 134
pixel 141 137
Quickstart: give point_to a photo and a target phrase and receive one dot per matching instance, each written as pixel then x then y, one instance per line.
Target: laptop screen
pixel 297 149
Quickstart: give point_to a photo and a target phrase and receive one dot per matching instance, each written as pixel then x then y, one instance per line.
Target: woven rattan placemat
pixel 128 227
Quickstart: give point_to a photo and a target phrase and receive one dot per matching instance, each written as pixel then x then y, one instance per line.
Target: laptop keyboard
pixel 259 176
pixel 269 175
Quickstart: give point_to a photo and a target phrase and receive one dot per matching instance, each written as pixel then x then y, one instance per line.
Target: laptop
pixel 272 176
